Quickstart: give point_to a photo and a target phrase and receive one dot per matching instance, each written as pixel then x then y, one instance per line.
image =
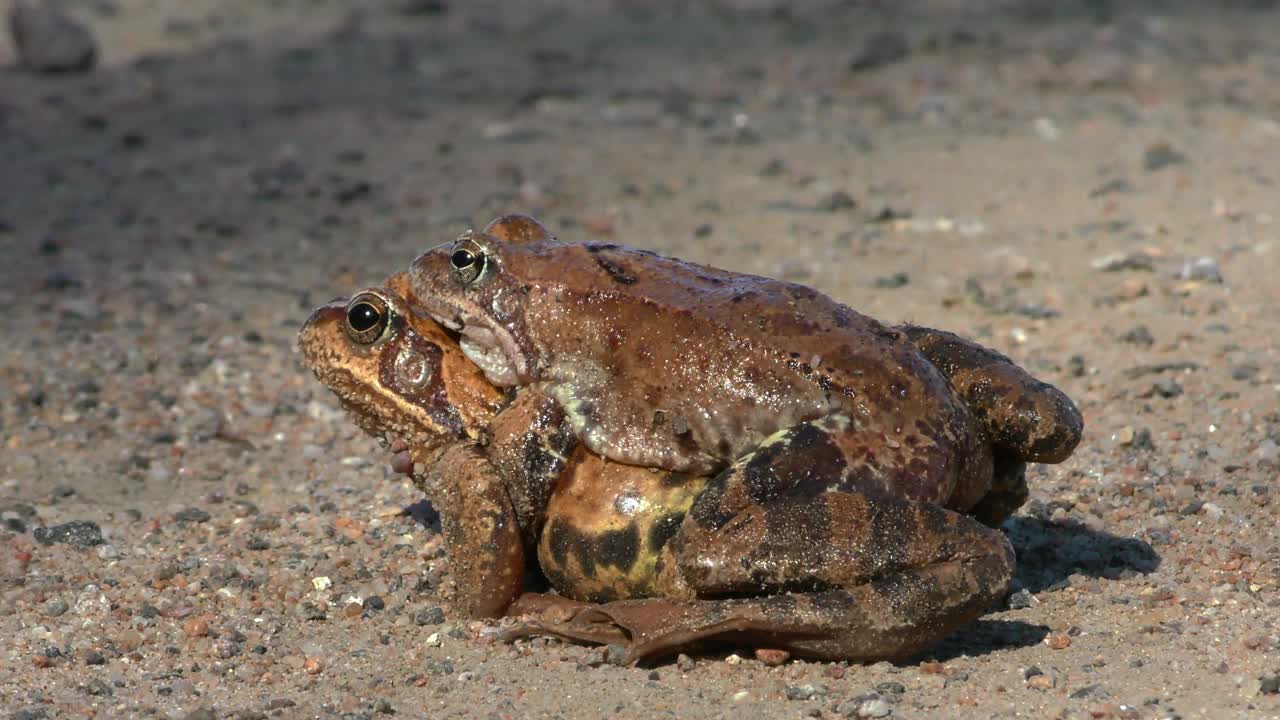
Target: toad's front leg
pixel 481 532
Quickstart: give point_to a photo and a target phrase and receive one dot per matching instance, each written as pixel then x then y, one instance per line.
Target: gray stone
pixel 49 41
pixel 81 533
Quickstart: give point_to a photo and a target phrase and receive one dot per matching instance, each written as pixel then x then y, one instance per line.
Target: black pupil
pixel 363 316
pixel 462 259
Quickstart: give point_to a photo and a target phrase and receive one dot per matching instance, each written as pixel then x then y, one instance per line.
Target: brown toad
pixel 684 367
pixel 512 485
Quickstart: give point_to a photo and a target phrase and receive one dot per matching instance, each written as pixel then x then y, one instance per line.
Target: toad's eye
pixel 467 261
pixel 462 260
pixel 367 318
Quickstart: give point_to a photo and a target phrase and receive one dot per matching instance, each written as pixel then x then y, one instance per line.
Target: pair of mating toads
pixel 690 455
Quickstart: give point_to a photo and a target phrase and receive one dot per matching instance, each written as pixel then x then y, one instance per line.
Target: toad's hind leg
pixel 947 464
pixel 1028 419
pixel 826 542
pixel 842 575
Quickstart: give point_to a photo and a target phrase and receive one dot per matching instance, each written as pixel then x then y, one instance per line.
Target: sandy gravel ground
pixel 189 528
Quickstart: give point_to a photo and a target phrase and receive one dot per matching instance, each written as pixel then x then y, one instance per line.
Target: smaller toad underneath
pixel 847 574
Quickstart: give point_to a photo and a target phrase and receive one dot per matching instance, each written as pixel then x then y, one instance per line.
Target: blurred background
pixel 1087 186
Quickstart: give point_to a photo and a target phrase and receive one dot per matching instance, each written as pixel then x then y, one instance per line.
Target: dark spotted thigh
pixel 802 463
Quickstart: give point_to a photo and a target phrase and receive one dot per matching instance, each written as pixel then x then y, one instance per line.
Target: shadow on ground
pixel 425 514
pixel 982 637
pixel 1050 553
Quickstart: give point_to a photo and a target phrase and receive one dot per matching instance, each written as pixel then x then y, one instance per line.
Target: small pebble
pixel 771 657
pixel 55 608
pixel 1090 691
pixel 1244 372
pixel 81 533
pixel 874 707
pixel 1139 335
pixel 424 7
pixel 1021 600
pixel 50 41
pixel 865 706
pixel 891 688
pixel 1040 682
pixel 836 201
pixel 891 282
pixel 615 654
pixel 1201 270
pixel 429 616
pixel 800 692
pixel 196 627
pixel 1167 387
pixel 312 612
pixel 773 168
pixel 225 648
pixel 881 49
pixel 192 515
pixel 1160 155
pixel 592 657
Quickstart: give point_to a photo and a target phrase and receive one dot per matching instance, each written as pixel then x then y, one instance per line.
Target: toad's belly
pixel 607 524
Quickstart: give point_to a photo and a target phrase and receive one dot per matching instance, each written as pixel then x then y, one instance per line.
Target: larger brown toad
pixel 685 367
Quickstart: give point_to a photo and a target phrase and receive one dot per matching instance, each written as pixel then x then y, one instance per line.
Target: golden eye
pixel 467 261
pixel 367 318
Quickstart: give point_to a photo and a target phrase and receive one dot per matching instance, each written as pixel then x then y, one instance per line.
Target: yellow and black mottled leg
pixel 841 575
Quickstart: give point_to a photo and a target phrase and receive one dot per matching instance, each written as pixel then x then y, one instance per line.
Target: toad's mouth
pixel 491 347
